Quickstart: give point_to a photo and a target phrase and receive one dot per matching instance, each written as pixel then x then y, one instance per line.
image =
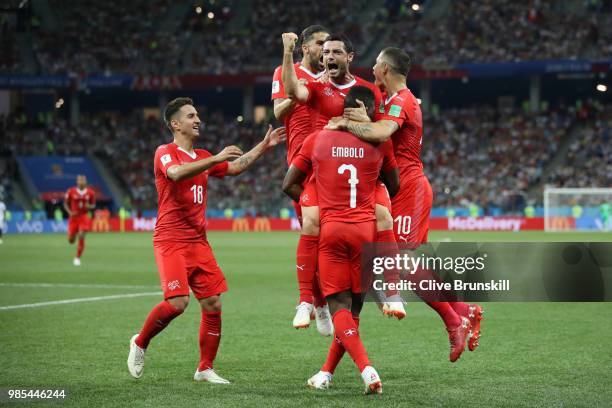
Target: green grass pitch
pixel 531 354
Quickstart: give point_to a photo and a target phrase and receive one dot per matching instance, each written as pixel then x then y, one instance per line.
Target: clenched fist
pixel 289 41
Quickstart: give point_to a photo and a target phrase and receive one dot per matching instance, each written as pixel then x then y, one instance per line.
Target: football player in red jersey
pixel 326 98
pixel 298 125
pixel 183 255
pixel 77 203
pixel 402 123
pixel 346 171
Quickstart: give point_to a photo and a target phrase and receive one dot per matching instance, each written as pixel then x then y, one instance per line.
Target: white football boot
pixel 324 321
pixel 394 307
pixel 320 381
pixel 302 315
pixel 76 262
pixel 135 359
pixel 209 375
pixel 372 382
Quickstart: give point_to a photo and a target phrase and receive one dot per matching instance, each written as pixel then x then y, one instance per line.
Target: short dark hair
pixel 365 95
pixel 398 60
pixel 348 45
pixel 309 31
pixel 174 106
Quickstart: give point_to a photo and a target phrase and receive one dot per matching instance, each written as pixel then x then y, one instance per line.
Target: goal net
pixel 577 209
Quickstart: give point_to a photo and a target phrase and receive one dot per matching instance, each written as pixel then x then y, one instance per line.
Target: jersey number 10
pixel 353 181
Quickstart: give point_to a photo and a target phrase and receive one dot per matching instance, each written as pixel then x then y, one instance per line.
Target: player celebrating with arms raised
pixel 326 99
pixel 77 203
pixel 183 255
pixel 346 171
pixel 402 122
pixel 298 125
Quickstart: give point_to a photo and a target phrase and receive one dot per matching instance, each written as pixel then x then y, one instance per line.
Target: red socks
pixel 348 334
pixel 210 337
pixel 336 352
pixel 80 247
pixel 157 320
pixel 388 248
pixel 306 264
pixel 461 308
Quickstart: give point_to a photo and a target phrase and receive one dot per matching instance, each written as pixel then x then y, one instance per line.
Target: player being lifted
pixel 77 203
pixel 326 99
pixel 298 125
pixel 402 122
pixel 183 255
pixel 346 170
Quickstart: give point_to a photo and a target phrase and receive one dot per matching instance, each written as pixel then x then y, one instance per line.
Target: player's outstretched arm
pixel 294 89
pixel 188 170
pixel 292 184
pixel 272 138
pixel 374 132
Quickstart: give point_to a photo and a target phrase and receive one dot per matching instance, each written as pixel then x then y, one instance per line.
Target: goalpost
pixel 577 209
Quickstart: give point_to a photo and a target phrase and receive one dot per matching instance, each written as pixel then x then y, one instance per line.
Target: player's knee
pixel 211 304
pixel 179 302
pixel 384 219
pixel 71 239
pixel 339 301
pixel 310 225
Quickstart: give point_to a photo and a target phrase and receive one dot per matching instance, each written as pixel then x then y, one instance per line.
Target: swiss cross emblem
pixel 328 91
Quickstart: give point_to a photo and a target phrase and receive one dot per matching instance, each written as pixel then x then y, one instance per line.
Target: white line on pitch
pixel 76 285
pixel 78 300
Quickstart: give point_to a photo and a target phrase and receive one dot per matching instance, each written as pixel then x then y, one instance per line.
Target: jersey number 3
pixel 353 181
pixel 198 194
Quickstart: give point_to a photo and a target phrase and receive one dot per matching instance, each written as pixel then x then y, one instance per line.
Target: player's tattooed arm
pixel 187 170
pixel 272 138
pixel 292 184
pixel 294 89
pixel 377 132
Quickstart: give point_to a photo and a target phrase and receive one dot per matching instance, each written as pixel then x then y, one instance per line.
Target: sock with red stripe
pixel 80 247
pixel 157 320
pixel 306 264
pixel 210 337
pixel 336 352
pixel 346 330
pixel 388 248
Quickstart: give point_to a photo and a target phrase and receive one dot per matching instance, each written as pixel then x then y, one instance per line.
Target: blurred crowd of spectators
pixel 490 156
pixel 127 145
pixel 483 155
pixel 141 37
pixel 589 159
pixel 506 30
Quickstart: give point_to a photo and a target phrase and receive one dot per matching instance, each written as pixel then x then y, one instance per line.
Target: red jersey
pixel 298 123
pixel 79 200
pixel 327 100
pixel 346 171
pixel 403 109
pixel 181 214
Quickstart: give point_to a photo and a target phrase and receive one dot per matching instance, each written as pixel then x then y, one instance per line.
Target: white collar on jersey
pixel 353 82
pixel 81 192
pixel 312 74
pixel 389 98
pixel 192 155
